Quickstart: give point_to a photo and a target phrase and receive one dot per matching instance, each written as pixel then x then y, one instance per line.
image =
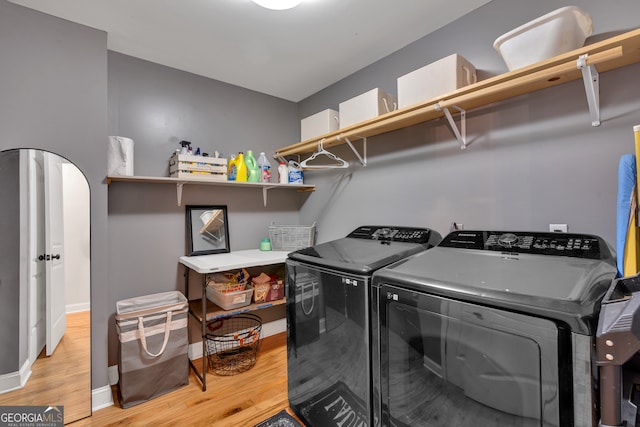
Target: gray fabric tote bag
pixel 153 346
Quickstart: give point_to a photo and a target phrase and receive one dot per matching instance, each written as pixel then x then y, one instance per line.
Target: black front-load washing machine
pixel 490 329
pixel 328 337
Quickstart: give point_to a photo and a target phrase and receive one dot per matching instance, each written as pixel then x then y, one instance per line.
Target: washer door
pixel 328 346
pixel 442 362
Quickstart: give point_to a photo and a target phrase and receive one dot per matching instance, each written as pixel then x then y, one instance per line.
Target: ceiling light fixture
pixel 278 4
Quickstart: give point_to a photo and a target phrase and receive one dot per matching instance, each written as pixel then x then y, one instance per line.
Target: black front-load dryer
pixel 328 339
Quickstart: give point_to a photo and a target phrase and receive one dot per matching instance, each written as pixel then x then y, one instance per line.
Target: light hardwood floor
pixel 63 379
pixel 239 400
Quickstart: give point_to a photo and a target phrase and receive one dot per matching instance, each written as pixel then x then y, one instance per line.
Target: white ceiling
pixel 289 54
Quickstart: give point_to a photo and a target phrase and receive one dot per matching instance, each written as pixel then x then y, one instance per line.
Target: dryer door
pixel 442 362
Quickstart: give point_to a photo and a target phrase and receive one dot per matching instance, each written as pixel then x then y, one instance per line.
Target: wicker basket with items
pixel 238 289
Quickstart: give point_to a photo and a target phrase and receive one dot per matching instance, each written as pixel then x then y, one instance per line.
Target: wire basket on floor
pixel 232 343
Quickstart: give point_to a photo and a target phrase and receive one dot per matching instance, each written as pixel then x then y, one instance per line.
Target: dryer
pixel 490 328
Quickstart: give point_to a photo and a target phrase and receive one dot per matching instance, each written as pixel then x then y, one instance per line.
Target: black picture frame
pixel 207 230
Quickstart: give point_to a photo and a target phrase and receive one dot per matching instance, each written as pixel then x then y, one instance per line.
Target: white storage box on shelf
pixel 318 124
pixel 198 167
pixel 560 31
pixel 440 77
pixel 229 300
pixel 366 106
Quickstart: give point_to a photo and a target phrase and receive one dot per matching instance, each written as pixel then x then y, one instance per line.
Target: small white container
pixel 283 173
pixel 318 124
pixel 439 77
pixel 366 106
pixel 560 31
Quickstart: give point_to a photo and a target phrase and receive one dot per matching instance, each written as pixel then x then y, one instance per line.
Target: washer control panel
pixel 391 234
pixel 558 244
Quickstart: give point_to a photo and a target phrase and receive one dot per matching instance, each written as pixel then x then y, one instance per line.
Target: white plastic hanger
pixel 339 163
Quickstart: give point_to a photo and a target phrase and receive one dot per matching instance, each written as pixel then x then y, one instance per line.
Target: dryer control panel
pixel 557 244
pixel 391 233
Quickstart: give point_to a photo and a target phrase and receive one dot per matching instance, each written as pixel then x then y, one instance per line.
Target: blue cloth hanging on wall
pixel 627 180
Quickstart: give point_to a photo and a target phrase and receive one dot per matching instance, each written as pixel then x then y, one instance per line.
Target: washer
pixel 328 340
pixel 490 328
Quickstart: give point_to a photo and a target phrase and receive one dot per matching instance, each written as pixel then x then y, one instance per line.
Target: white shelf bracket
pixel 179 192
pixel 461 134
pixel 591 80
pixel 363 157
pixel 264 194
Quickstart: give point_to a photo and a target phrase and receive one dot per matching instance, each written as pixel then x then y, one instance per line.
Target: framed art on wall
pixel 207 230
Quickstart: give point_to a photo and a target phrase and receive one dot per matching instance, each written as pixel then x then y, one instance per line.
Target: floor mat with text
pixel 335 406
pixel 281 419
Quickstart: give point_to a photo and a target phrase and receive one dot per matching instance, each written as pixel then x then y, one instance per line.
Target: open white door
pixel 34 164
pixel 54 258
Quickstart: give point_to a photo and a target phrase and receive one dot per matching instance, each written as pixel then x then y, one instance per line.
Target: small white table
pixel 206 264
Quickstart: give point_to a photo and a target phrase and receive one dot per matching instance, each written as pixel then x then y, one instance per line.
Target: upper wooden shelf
pixel 606 55
pixel 180 182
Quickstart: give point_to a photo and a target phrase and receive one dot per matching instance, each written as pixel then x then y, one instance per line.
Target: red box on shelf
pixel 266 292
pixel 276 291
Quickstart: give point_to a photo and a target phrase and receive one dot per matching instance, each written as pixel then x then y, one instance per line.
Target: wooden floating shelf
pixel 605 55
pixel 180 182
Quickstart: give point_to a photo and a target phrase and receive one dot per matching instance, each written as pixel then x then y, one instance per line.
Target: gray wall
pixel 533 160
pixel 10 265
pixel 53 96
pixel 157 107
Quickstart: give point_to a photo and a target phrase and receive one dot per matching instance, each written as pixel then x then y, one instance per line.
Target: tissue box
pixel 198 167
pixel 560 31
pixel 438 78
pixel 318 124
pixel 366 106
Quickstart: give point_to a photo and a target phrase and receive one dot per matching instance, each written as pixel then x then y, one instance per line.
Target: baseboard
pixel 101 398
pixel 75 308
pixel 273 328
pixel 15 380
